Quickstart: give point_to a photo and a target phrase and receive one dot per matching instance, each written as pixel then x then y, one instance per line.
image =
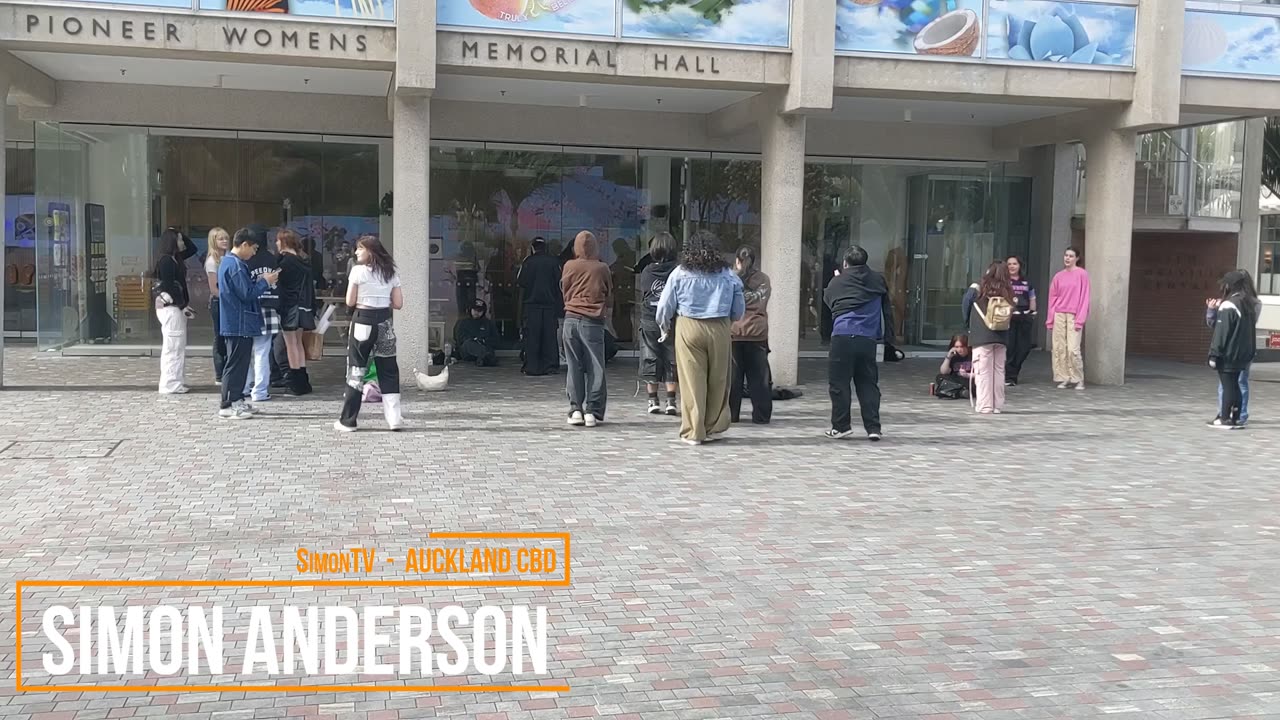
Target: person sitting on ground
pixel 476 337
pixel 953 378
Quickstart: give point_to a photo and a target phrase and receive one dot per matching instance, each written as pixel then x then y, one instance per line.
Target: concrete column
pixel 411 133
pixel 1247 247
pixel 782 199
pixel 1108 249
pixel 1157 78
pixel 4 94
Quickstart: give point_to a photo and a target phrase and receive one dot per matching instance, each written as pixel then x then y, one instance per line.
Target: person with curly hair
pixel 708 297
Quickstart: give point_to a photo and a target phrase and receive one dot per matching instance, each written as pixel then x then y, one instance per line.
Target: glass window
pixel 931 230
pixel 1219 166
pixel 145 180
pixel 20 240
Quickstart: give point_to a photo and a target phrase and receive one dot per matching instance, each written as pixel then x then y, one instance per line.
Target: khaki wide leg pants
pixel 1068 362
pixel 703 352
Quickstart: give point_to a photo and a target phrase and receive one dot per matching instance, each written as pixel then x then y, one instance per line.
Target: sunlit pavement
pixel 1083 554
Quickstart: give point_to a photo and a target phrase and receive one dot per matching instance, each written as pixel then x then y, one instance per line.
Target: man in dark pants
pixel 543 306
pixel 861 313
pixel 240 320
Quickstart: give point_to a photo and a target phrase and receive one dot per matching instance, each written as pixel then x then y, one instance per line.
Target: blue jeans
pixel 1244 396
pixel 585 376
pixel 258 383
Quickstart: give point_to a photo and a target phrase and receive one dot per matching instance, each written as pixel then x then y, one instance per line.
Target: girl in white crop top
pixel 373 289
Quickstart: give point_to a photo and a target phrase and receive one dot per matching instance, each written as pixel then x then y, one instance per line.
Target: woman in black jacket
pixel 1234 343
pixel 172 309
pixel 297 305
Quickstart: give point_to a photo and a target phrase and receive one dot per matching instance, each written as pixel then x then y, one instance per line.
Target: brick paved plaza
pixel 1085 554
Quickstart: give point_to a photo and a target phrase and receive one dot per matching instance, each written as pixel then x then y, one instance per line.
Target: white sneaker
pixel 1064 385
pixel 1080 385
pixel 576 419
pixel 337 425
pixel 590 420
pixel 690 441
pixel 237 411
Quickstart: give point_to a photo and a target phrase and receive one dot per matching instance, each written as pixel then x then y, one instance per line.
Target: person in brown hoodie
pixel 587 286
pixel 751 342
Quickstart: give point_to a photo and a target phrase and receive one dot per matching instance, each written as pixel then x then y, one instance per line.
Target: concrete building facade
pixel 939 138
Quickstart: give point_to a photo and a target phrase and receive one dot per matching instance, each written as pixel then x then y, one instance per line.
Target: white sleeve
pixel 395 281
pixel 210 266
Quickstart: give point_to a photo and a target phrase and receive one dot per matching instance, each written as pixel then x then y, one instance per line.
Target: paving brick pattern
pixel 1085 554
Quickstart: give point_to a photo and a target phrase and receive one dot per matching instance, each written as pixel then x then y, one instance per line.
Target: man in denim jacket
pixel 240 319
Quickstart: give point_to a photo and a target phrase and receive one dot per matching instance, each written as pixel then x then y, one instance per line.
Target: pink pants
pixel 988 377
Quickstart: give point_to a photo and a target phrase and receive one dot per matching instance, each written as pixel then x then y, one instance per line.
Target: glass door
pixel 959 223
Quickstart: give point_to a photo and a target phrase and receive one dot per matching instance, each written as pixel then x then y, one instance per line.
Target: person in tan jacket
pixel 751 342
pixel 587 286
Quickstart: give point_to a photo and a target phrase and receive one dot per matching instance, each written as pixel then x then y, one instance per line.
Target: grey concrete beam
pixel 550 58
pixel 415 49
pixel 215 108
pixel 736 118
pixel 906 78
pixel 1067 127
pixel 813 47
pixel 1158 66
pixel 1242 97
pixel 27 85
pixel 150 33
pixel 1108 241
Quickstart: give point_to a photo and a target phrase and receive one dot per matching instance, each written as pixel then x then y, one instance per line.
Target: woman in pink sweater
pixel 1068 311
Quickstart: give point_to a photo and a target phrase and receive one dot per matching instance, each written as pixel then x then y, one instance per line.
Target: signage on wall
pixel 169 33
pixel 97 319
pixel 570 56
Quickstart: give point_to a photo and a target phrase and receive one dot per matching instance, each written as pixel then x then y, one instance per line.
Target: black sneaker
pixel 1215 421
pixel 835 434
pixel 873 436
pixel 1221 424
pixel 671 408
pixel 654 407
pixel 1010 383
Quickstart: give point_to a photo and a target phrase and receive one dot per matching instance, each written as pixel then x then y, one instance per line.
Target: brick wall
pixel 1171 275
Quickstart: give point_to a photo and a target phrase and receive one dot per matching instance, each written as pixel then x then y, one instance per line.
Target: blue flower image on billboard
pixel 357 9
pixel 728 22
pixel 923 27
pixel 1056 32
pixel 1231 43
pixel 572 17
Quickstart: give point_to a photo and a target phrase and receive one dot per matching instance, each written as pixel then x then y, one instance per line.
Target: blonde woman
pixel 219 244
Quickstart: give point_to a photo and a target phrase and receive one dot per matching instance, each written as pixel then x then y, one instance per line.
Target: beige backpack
pixel 999 314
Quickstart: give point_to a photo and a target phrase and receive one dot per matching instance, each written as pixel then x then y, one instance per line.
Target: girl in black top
pixel 297 305
pixel 1023 322
pixel 171 309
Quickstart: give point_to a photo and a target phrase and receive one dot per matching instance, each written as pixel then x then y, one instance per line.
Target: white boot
pixel 391 410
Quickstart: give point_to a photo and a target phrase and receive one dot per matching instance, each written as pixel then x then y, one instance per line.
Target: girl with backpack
pixel 989 321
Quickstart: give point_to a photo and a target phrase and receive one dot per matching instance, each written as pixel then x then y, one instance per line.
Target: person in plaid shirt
pixel 257 387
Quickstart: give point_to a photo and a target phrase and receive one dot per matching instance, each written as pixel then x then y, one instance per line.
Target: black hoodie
pixel 862 292
pixel 652 282
pixel 1235 340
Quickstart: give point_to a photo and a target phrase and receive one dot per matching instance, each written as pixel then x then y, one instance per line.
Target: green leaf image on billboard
pixel 729 22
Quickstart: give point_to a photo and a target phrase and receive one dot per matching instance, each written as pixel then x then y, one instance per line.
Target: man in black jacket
pixel 543 303
pixel 861 316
